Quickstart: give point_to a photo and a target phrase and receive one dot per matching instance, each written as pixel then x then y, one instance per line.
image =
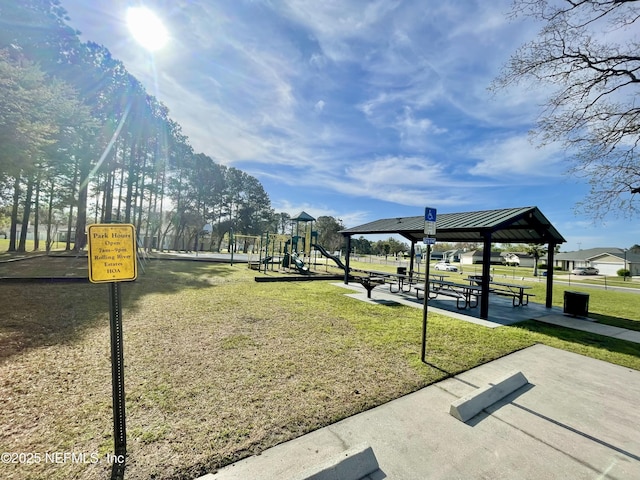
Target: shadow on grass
pixel 616 321
pixel 33 315
pixel 446 373
pixel 580 337
pixel 42 265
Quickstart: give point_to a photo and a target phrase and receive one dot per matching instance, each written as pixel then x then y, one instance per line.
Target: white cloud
pixel 403 180
pixel 416 132
pixel 336 24
pixel 517 158
pixel 395 170
pixel 349 218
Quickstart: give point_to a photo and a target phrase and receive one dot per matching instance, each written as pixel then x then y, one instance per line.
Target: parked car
pixel 447 267
pixel 585 271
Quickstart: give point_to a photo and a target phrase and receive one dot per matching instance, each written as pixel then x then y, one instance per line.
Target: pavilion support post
pixel 413 254
pixel 486 275
pixel 550 254
pixel 347 258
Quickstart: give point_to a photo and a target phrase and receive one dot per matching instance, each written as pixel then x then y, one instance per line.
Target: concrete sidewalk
pixel 576 418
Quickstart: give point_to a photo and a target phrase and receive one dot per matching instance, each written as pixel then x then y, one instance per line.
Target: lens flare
pixel 147 28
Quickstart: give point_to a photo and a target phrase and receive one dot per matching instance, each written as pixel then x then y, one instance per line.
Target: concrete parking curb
pixel 470 405
pixel 352 464
pixel 355 463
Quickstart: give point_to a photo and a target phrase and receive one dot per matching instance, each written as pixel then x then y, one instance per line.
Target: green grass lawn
pixel 218 366
pixel 4 247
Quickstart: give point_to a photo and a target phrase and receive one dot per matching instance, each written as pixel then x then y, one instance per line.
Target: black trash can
pixel 576 304
pixel 401 270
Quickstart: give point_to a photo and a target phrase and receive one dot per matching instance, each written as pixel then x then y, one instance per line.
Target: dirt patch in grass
pixel 217 366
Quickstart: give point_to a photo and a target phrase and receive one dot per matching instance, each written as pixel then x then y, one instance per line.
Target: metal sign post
pixel 112 259
pixel 117 384
pixel 423 354
pixel 429 231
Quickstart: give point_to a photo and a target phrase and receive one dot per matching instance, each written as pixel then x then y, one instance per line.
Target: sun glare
pixel 147 28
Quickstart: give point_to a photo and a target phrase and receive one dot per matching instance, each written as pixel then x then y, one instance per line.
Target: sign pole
pixel 117 383
pixel 430 218
pixel 424 306
pixel 112 259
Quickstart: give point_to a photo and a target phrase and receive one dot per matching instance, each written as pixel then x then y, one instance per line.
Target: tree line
pixel 81 141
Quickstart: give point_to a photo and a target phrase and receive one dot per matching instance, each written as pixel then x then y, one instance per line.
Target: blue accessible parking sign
pixel 429 221
pixel 429 214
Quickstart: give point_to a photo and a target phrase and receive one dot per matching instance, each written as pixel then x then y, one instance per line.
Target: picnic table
pixel 465 295
pixel 515 291
pixel 398 282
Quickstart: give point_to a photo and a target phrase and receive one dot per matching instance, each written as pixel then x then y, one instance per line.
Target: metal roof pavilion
pixel 508 225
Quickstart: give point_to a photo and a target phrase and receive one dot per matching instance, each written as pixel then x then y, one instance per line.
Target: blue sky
pixel 357 109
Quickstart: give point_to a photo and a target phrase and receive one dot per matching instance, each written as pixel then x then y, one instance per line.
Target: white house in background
pixel 475 256
pixel 520 259
pixel 435 256
pixel 610 263
pixel 446 256
pixel 452 255
pixel 608 260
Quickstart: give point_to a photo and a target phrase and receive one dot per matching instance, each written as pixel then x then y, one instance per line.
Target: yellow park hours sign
pixel 112 252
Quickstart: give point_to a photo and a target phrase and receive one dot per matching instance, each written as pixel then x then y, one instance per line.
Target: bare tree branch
pixel 593 111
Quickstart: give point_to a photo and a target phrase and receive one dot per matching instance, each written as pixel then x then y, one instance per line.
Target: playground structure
pixel 293 252
pixel 273 248
pixel 299 246
pixel 251 245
